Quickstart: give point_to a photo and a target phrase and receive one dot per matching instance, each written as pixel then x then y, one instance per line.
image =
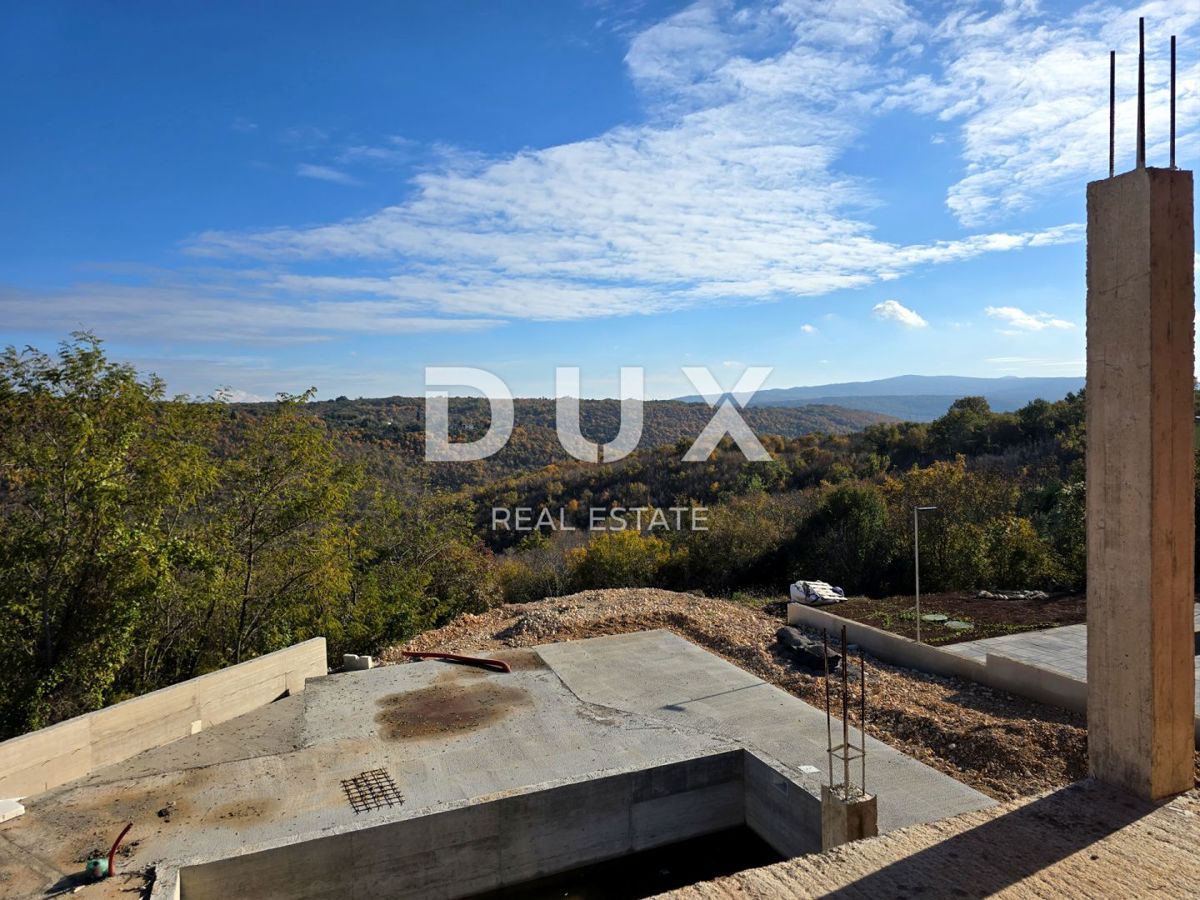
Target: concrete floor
pixel 1062 650
pixel 449 736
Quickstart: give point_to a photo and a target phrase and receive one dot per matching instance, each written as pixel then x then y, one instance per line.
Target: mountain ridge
pixel 917 397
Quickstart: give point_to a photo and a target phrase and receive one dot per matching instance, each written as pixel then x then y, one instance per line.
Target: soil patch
pixel 987 618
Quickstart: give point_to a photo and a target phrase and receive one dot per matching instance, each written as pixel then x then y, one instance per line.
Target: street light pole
pixel 917 561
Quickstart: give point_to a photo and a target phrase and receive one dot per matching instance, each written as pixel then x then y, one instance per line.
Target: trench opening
pixel 650 872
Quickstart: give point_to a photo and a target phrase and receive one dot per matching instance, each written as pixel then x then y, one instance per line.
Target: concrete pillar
pixel 1140 518
pixel 843 821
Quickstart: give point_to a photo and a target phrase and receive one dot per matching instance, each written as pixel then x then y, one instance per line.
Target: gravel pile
pixel 1005 746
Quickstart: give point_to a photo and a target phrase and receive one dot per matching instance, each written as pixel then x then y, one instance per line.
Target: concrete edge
pixel 49 757
pixel 166 881
pixel 997 671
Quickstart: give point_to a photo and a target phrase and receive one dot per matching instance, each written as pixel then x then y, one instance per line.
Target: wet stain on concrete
pixel 448 706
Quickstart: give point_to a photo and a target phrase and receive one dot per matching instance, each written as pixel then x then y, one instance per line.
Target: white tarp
pixel 816 593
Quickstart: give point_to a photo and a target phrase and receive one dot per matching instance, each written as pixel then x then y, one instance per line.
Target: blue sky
pixel 276 195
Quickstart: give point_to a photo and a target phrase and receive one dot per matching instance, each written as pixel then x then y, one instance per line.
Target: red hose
pixel 497 665
pixel 113 852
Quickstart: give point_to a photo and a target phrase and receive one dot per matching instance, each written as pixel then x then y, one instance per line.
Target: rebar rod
pixel 1112 113
pixel 845 723
pixel 1172 101
pixel 828 718
pixel 862 721
pixel 1141 101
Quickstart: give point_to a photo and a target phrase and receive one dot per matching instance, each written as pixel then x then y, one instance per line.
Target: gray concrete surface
pixel 1062 650
pixel 53 756
pixel 455 738
pixel 502 842
pixel 1083 842
pixel 657 673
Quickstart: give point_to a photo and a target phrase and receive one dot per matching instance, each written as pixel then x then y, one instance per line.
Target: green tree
pixel 963 429
pixel 417 565
pixel 845 541
pixel 281 535
pixel 98 475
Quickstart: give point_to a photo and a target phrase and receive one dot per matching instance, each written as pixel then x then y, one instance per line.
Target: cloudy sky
pixel 272 196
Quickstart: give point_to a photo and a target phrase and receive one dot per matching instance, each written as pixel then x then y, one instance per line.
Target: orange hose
pixel 113 852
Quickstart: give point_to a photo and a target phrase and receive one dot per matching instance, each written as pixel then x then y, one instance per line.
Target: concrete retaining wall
pixel 1000 672
pixel 509 841
pixel 46 758
pixel 900 651
pixel 1036 683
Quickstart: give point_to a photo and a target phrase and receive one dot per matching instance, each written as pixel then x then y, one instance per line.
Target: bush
pixel 619 559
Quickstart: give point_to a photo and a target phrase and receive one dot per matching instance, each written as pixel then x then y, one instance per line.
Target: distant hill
pixel 919 398
pixel 388 433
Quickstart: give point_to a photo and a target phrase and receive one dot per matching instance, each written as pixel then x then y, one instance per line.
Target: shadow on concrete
pixel 681 705
pixel 988 858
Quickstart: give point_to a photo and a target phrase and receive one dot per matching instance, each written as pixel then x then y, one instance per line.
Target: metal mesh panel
pixel 373 789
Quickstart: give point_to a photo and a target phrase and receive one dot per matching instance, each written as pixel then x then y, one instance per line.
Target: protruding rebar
pixel 862 720
pixel 1112 113
pixel 1172 101
pixel 828 718
pixel 1141 100
pixel 845 723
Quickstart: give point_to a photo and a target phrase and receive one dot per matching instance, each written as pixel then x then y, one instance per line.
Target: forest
pixel 146 539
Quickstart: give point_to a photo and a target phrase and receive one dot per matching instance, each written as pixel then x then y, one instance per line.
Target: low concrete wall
pixel 1000 672
pixel 900 651
pixel 51 756
pixel 512 840
pixel 1036 683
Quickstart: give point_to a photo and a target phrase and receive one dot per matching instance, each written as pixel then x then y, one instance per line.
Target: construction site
pixel 638 742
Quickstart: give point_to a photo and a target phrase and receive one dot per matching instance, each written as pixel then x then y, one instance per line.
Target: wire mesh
pixel 373 789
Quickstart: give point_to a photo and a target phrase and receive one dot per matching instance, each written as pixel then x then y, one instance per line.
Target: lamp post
pixel 917 561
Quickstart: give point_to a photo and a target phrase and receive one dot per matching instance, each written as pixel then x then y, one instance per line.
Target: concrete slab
pixel 638 672
pixel 1062 650
pixel 457 738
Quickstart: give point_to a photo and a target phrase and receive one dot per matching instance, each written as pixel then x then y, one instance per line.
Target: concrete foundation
pixel 847 819
pixel 1140 368
pixel 585 751
pixel 504 842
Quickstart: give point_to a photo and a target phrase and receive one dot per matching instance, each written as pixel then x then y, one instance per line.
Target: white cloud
pixel 1016 319
pixel 243 309
pixel 236 395
pixel 728 188
pixel 729 192
pixel 894 311
pixel 1027 86
pixel 808 329
pixel 326 173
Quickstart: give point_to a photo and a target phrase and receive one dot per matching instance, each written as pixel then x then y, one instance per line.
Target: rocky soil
pixel 1005 746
